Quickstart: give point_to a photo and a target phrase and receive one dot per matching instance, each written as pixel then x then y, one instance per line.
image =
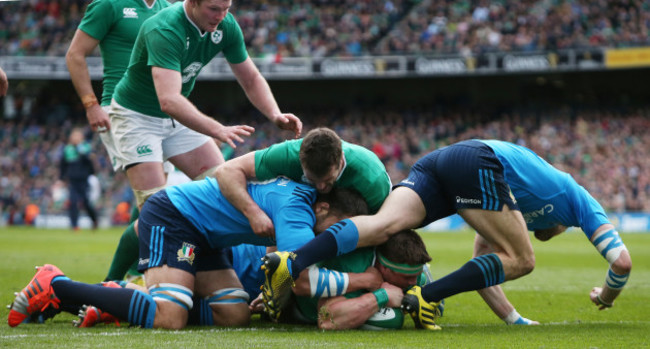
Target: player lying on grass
pixel 361 289
pixel 183 231
pixel 470 178
pixel 395 266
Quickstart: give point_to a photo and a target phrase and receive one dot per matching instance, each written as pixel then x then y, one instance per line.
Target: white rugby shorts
pixel 141 138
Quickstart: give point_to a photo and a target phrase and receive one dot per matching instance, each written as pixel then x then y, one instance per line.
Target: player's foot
pixel 37 296
pixel 90 316
pixel 424 314
pixel 276 289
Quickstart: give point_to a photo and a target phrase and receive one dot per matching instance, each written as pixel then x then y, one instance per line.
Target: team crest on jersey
pixel 217 36
pixel 186 253
pixel 129 12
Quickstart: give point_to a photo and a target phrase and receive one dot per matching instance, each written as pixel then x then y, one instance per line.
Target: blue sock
pixel 480 272
pixel 136 307
pixel 338 239
pixel 201 313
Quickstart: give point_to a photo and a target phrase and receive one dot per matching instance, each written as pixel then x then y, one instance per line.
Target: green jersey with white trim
pixel 356 261
pixel 172 41
pixel 363 170
pixel 115 23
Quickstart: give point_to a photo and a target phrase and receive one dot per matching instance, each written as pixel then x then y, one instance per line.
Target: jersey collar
pixel 201 33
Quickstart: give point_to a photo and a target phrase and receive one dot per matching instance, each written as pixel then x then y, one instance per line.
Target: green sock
pixel 135 213
pixel 125 255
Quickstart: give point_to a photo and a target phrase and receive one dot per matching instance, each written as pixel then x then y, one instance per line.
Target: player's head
pixel 321 157
pixel 400 260
pixel 207 14
pixel 338 204
pixel 76 136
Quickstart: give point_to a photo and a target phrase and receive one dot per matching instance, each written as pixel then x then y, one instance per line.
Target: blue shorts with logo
pixel 463 175
pixel 166 237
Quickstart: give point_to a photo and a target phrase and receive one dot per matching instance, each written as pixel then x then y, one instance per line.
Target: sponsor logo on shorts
pixel 217 36
pixel 407 182
pixel 529 217
pixel 129 12
pixel 143 261
pixel 144 150
pixel 186 253
pixel 464 201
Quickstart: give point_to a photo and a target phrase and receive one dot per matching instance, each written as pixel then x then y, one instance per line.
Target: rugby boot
pixel 276 289
pixel 424 313
pixel 36 297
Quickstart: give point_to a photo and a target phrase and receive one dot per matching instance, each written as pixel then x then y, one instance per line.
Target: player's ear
pixel 322 208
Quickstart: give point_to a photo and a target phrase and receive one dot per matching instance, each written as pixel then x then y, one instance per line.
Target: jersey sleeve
pixel 163 50
pixel 280 159
pixel 98 19
pixel 235 52
pixel 294 226
pixel 589 213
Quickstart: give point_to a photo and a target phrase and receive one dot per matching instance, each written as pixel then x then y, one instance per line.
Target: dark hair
pixel 344 202
pixel 405 247
pixel 320 150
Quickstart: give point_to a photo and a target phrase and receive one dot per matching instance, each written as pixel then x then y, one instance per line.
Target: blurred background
pixel 567 79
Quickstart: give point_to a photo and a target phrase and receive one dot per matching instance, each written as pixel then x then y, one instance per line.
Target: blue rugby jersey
pixel 546 196
pixel 287 203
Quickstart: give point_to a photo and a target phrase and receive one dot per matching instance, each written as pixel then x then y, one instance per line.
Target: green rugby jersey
pixel 115 23
pixel 170 40
pixel 363 170
pixel 356 261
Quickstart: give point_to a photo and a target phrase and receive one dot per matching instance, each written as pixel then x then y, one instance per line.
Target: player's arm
pixel 232 177
pixel 322 282
pixel 340 313
pixel 81 46
pixel 168 84
pixel 608 242
pixel 4 83
pixel 259 93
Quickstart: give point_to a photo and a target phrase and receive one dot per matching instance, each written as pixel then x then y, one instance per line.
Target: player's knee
pixel 232 315
pixel 527 264
pixel 169 316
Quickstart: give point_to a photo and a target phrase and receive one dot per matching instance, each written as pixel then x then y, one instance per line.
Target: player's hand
pixel 262 225
pixel 232 134
pixel 395 295
pixel 98 119
pixel 595 292
pixel 289 122
pixel 257 305
pixel 373 279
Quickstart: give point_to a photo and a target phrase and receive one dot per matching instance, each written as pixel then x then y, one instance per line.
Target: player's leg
pixel 403 209
pixel 88 205
pixel 193 153
pixel 494 296
pixel 222 299
pixel 73 204
pixel 126 254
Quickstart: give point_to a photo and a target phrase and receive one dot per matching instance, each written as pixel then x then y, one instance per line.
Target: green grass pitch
pixel 556 294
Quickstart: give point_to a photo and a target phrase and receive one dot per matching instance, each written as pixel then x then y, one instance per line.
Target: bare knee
pixel 524 265
pixel 170 322
pixel 231 315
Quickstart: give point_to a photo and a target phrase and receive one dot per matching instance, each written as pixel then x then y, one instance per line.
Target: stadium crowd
pixel 605 151
pixel 325 28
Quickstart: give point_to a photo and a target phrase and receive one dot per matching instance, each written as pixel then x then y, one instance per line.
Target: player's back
pixel 203 204
pixel 527 173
